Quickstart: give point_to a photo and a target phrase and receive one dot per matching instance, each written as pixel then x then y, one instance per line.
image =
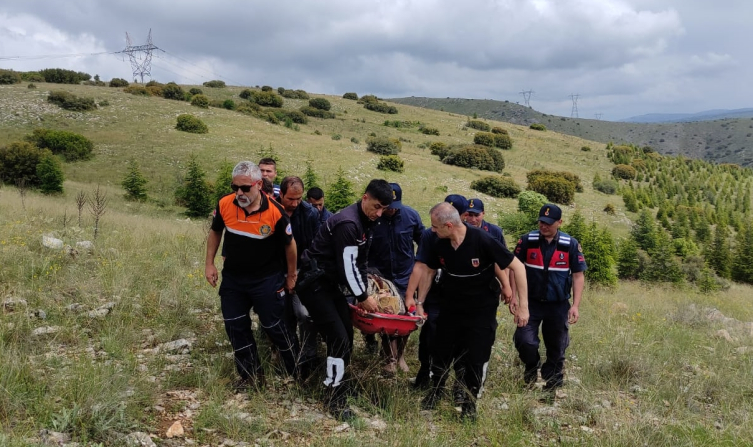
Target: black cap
pixel 397 196
pixel 475 206
pixel 459 202
pixel 550 213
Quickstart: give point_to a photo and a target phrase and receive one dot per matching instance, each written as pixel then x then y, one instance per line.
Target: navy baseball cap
pixel 475 206
pixel 397 196
pixel 550 213
pixel 459 202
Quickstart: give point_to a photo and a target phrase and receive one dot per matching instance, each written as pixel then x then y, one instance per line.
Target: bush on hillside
pixel 266 88
pixel 155 90
pixel 368 99
pixel 586 149
pixel 69 101
pixel 134 183
pixel 439 149
pixel 503 141
pixel 478 125
pixel 245 93
pixel 556 189
pixel 317 113
pixel 214 84
pixel 31 86
pixel 429 130
pixel 50 174
pixel 153 83
pixel 569 176
pixel 118 82
pixel 18 163
pixel 196 91
pixel 61 76
pixel 380 107
pixel 266 99
pixel 9 77
pixel 137 90
pixel 530 203
pixel 621 155
pixel 248 108
pixel 517 224
pixel 228 104
pixel 293 94
pixel 478 157
pixel 351 95
pixel 383 145
pixel 624 172
pixel 320 103
pixel 195 193
pixel 200 101
pixel 538 126
pixel 31 76
pixel 391 163
pixel 484 139
pixel 71 146
pixel 499 131
pixel 607 186
pixel 496 186
pixel 173 91
pixel 191 124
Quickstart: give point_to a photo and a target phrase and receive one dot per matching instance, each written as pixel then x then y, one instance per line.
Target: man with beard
pixel 337 260
pixel 258 237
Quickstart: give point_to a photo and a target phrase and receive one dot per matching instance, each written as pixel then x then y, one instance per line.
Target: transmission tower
pixel 598 115
pixel 574 111
pixel 140 56
pixel 527 97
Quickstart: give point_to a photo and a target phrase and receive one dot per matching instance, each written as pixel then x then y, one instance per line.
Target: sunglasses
pixel 244 188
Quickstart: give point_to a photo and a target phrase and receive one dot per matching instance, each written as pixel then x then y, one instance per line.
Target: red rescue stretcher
pixel 386 324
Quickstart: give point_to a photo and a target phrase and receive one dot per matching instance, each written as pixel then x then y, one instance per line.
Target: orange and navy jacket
pixel 254 243
pixel 550 280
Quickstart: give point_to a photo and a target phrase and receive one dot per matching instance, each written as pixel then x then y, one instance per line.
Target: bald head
pixel 444 213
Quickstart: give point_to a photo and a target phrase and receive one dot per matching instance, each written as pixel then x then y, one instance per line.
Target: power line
pixel 527 96
pixel 52 56
pixel 574 110
pixel 141 66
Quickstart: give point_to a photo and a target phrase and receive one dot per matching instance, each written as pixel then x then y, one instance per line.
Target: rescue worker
pixel 315 196
pixel 268 167
pixel 476 218
pixel 258 237
pixel 392 253
pixel 469 296
pixel 338 259
pixel 554 265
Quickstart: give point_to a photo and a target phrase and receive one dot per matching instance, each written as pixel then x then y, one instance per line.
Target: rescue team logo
pixel 470 204
pixel 546 213
pixel 475 262
pixel 289 230
pixel 534 255
pixel 562 256
pixel 394 195
pixel 265 230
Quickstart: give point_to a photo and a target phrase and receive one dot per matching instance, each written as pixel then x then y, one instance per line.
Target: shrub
pixel 118 82
pixel 530 203
pixel 340 193
pixel 607 186
pixel 71 146
pixel 337 137
pixel 266 88
pixel 214 84
pixel 538 126
pixel 266 99
pixel 189 123
pixel 61 76
pixel 503 141
pixel 517 224
pixel 156 90
pixel 380 107
pixel 568 176
pixel 478 125
pixel 391 163
pixel 137 90
pixel 200 101
pixel 354 140
pixel 153 83
pixel 294 94
pixel 383 145
pixel 484 139
pixel 430 131
pixel 440 149
pixel 499 131
pixel 248 108
pixel 228 104
pixel 625 172
pixel 31 76
pixel 18 162
pixel 9 77
pixel 610 209
pixel 194 192
pixel 50 174
pixel 31 86
pixel 586 149
pixel 368 99
pixel 556 189
pixel 173 91
pixel 320 103
pixel 246 93
pixel 104 103
pixel 134 183
pixel 317 113
pixel 69 101
pixel 622 154
pixel 478 157
pixel 496 186
pixel 351 95
pixel 223 181
pixel 195 91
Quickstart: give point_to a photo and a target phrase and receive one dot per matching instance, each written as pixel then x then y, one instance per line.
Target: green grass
pixel 646 365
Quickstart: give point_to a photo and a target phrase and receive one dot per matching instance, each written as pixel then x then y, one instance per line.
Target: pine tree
pixel 134 183
pixel 742 268
pixel 195 193
pixel 310 178
pixel 576 227
pixel 50 174
pixel 664 267
pixel 628 263
pixel 598 248
pixel 718 254
pixel 223 182
pixel 644 231
pixel 340 192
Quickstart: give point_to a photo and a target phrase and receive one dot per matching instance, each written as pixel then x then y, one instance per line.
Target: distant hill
pixel 728 140
pixel 707 115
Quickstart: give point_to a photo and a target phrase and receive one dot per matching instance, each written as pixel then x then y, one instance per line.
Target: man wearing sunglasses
pixel 340 250
pixel 258 241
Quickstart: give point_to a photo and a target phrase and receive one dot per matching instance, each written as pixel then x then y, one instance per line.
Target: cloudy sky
pixel 622 57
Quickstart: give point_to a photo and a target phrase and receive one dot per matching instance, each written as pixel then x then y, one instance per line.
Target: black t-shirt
pixel 468 285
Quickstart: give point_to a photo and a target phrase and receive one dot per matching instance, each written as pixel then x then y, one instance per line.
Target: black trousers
pixel 266 297
pixel 330 313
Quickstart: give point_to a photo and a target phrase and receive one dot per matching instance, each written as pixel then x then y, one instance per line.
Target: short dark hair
pixel 315 193
pixel 268 161
pixel 267 186
pixel 380 190
pixel 289 182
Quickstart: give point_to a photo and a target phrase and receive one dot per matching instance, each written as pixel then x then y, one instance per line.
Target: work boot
pixel 469 410
pixel 338 404
pixel 432 398
pixel 458 393
pixel 422 379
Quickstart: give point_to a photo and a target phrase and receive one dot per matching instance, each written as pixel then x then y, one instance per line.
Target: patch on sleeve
pixel 289 230
pixel 581 259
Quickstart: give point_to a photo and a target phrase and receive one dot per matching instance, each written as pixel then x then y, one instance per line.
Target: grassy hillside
pixel 723 141
pixel 127 336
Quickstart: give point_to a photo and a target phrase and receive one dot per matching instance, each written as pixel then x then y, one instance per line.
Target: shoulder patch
pixel 265 229
pixel 289 230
